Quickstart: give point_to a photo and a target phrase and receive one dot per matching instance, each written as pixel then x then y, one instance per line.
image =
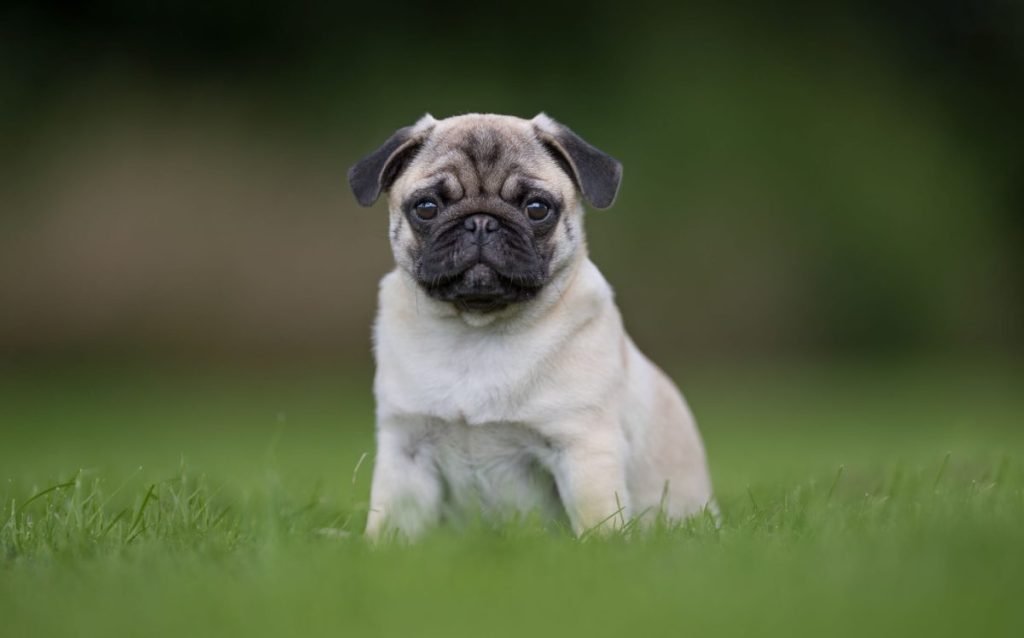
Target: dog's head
pixel 485 209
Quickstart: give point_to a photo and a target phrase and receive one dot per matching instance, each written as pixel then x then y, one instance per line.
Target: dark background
pixel 811 181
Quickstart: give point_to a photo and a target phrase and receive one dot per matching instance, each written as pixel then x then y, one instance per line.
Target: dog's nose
pixel 481 224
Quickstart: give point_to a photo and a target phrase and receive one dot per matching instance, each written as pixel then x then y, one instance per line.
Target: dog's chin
pixel 480 290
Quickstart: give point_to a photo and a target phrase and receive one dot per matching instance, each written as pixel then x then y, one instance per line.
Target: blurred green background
pixel 800 182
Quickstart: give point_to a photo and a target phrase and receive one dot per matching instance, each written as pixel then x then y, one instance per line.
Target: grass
pixel 857 500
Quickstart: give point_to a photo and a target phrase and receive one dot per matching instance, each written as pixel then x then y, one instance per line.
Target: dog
pixel 506 385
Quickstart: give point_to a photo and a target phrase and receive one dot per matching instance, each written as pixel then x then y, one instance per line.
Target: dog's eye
pixel 537 210
pixel 425 209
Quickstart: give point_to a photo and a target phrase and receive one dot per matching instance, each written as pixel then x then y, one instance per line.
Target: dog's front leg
pixel 590 473
pixel 405 495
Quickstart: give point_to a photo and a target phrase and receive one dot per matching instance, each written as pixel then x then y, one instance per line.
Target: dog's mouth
pixel 481 289
pixel 480 303
pixel 480 272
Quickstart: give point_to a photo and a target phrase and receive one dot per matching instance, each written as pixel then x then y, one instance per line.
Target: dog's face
pixel 485 209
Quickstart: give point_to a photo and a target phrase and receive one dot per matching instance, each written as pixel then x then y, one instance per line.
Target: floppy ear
pixel 378 170
pixel 596 173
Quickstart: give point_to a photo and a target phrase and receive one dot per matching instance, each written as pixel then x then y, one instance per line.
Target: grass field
pixel 857 500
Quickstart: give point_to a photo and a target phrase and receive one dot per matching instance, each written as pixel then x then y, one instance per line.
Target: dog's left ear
pixel 595 173
pixel 378 171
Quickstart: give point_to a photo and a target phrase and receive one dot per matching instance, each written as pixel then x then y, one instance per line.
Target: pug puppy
pixel 506 385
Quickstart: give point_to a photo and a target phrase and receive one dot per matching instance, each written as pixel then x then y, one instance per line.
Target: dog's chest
pixel 496 469
pixel 458 379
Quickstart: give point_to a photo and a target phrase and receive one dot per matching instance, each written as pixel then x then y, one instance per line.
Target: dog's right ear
pixel 378 171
